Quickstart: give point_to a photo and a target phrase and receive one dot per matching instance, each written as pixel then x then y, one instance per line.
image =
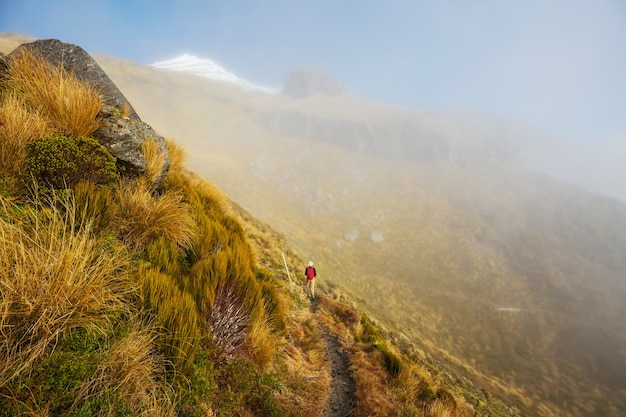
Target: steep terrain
pixel 430 219
pixel 131 286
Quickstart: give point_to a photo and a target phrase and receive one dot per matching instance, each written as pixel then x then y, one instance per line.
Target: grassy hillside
pixel 121 297
pixel 431 221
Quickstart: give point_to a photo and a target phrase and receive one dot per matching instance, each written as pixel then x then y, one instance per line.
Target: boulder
pixel 123 136
pixel 121 130
pixel 76 60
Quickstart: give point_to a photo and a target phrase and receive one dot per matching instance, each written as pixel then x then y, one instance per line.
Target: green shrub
pixel 61 162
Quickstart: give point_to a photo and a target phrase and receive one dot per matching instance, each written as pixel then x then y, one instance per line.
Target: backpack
pixel 310 272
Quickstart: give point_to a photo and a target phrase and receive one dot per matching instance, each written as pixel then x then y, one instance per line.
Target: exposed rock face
pixel 123 136
pixel 121 130
pixel 77 61
pixel 306 81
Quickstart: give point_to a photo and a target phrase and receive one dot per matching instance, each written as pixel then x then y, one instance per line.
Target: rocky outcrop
pixel 123 136
pixel 306 81
pixel 121 130
pixel 77 61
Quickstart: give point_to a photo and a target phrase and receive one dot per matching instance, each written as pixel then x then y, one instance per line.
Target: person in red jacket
pixel 310 273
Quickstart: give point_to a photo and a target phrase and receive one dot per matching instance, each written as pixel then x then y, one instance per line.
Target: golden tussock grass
pixel 54 277
pixel 262 344
pixel 69 106
pixel 155 162
pixel 275 305
pixel 18 126
pixel 95 205
pixel 143 216
pixel 373 395
pixel 175 312
pixel 133 374
pixel 443 409
pixel 412 381
pixel 206 195
pixel 178 157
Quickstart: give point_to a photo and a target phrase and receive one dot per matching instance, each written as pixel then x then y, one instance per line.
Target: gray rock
pixel 121 131
pixel 123 136
pixel 76 60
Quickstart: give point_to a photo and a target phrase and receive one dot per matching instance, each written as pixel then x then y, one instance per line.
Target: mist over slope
pixel 432 219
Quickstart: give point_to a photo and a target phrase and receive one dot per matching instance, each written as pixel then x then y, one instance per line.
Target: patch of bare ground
pixel 342 400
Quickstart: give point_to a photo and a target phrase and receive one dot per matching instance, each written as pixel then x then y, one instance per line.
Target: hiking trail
pixel 342 399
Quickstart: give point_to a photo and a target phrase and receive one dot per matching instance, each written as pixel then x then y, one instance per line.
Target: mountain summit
pixel 209 69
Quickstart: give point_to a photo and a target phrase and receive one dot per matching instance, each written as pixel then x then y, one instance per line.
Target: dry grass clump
pixel 373 394
pixel 95 205
pixel 19 125
pixel 54 277
pixel 262 344
pixel 68 105
pixel 133 374
pixel 175 312
pixel 177 156
pixel 155 162
pixel 144 216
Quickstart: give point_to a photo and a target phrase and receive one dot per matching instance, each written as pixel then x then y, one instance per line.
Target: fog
pixel 557 66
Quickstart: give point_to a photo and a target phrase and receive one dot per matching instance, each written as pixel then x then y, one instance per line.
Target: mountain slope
pixel 432 220
pixel 151 293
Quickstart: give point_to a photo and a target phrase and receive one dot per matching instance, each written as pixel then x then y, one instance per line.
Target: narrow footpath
pixel 342 400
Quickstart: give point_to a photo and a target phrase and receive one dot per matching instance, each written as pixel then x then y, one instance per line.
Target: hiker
pixel 310 273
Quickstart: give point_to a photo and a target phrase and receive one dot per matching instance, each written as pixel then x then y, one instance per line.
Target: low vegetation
pixel 116 300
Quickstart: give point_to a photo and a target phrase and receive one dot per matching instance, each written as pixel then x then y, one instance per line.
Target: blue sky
pixel 559 65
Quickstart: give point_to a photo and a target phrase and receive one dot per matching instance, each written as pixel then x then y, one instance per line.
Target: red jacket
pixel 310 272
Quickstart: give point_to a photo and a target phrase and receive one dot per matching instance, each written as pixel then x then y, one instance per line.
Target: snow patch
pixel 209 69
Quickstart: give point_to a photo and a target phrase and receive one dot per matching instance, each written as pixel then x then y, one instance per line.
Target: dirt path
pixel 342 398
